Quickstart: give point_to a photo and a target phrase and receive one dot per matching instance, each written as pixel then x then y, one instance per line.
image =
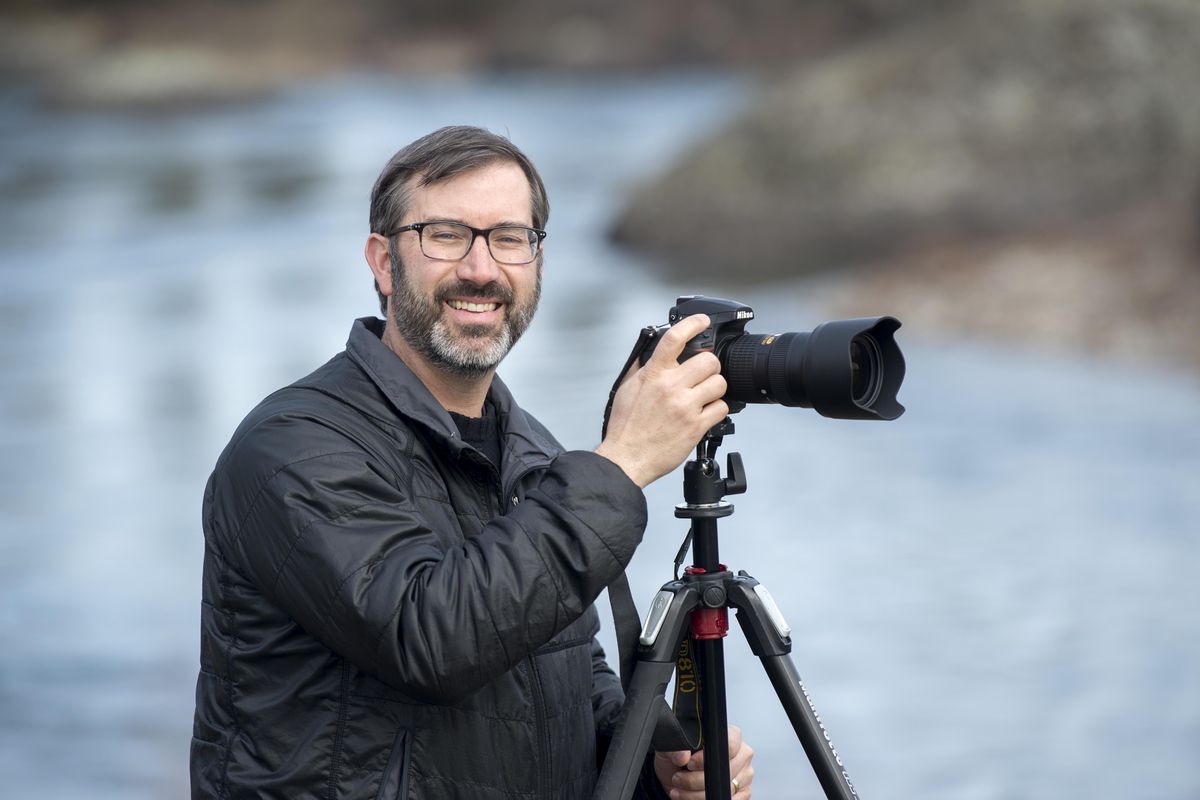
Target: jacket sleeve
pixel 345 552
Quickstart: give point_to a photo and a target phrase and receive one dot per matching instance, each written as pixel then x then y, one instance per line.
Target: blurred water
pixel 993 597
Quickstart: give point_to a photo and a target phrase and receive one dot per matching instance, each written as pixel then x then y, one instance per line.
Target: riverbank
pixel 125 54
pixel 1030 173
pixel 1125 288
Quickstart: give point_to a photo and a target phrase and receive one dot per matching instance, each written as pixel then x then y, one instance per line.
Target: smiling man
pixel 400 563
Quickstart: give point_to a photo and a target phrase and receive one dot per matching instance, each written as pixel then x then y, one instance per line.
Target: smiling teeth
pixel 462 305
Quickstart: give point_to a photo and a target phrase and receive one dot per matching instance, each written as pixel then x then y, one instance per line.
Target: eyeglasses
pixel 451 241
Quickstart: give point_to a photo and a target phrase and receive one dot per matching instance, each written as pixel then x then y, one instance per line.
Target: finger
pixel 735 740
pixel 711 388
pixel 744 778
pixel 699 367
pixel 677 758
pixel 740 763
pixel 711 415
pixel 687 785
pixel 740 766
pixel 668 350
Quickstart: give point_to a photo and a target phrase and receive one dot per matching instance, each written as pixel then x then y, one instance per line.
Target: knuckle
pixel 690 326
pixel 681 330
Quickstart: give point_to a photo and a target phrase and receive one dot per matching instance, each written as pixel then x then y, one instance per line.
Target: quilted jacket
pixel 386 614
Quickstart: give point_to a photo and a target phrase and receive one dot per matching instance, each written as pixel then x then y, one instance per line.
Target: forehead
pixel 483 197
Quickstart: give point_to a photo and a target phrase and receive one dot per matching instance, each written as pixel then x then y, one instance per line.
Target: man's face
pixel 464 316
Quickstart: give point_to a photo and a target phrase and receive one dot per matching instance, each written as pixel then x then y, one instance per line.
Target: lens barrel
pixel 846 369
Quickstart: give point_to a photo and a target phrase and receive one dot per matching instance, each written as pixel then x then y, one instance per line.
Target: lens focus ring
pixel 737 365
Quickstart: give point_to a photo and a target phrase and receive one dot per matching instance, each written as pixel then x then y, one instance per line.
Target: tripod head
pixel 703 487
pixel 704 491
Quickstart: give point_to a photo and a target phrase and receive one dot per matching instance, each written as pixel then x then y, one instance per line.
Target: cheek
pixel 525 284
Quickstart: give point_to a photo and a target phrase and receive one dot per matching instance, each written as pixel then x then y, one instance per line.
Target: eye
pixel 511 237
pixel 445 233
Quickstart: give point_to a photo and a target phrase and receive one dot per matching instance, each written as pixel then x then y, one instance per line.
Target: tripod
pixel 702 597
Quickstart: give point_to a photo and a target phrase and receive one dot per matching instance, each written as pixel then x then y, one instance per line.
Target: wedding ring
pixel 737 785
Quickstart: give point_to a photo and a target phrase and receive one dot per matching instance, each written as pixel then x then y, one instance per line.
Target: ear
pixel 380 261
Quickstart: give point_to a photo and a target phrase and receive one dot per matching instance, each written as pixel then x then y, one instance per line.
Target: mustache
pixel 489 291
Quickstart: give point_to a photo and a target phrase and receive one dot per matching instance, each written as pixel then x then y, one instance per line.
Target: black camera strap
pixel 679 730
pixel 647 333
pixel 674 731
pixel 625 614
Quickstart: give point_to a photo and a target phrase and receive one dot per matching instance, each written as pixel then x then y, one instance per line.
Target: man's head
pixel 462 314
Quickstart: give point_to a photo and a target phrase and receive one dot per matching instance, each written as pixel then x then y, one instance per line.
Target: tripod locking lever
pixel 736 482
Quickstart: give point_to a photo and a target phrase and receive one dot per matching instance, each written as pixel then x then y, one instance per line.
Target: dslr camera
pixel 845 369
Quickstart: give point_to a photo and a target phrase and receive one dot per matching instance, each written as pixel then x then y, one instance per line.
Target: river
pixel 993 597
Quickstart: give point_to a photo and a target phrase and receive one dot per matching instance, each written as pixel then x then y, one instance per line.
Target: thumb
pixel 678 758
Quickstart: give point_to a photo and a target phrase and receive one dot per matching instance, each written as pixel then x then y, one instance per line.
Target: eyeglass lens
pixel 452 241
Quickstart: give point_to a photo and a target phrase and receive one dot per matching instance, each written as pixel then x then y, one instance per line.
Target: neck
pixel 461 394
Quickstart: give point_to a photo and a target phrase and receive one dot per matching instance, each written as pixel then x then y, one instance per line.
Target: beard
pixel 474 349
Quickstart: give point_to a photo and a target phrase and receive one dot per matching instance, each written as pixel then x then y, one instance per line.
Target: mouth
pixel 473 307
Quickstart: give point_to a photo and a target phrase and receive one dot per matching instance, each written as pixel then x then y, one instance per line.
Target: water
pixel 993 597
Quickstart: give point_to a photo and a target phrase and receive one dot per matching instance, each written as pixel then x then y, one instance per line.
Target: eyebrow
pixel 501 224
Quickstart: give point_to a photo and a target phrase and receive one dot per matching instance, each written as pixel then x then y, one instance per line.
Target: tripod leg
pixel 812 734
pixel 770 639
pixel 661 636
pixel 714 723
pixel 635 728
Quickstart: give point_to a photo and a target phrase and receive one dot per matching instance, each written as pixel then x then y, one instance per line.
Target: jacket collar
pixel 526 443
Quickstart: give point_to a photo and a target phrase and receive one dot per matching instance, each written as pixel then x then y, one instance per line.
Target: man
pixel 400 563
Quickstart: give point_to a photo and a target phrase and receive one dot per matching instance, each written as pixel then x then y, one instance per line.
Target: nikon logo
pixel 745 314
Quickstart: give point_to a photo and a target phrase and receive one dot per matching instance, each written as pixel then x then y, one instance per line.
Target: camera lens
pixel 866 370
pixel 846 369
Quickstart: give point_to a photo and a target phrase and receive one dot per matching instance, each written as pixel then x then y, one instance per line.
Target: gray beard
pixel 479 348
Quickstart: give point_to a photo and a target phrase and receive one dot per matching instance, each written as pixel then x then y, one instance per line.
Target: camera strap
pixel 674 731
pixel 678 729
pixel 644 336
pixel 625 614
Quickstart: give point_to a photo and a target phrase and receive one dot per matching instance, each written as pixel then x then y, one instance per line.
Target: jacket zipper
pixel 542 726
pixel 509 499
pixel 509 493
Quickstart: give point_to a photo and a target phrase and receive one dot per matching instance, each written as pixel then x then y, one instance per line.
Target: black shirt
pixel 482 433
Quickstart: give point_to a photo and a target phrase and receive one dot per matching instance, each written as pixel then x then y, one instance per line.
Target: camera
pixel 845 369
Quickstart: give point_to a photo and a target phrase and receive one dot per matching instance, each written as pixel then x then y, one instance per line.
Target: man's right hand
pixel 664 408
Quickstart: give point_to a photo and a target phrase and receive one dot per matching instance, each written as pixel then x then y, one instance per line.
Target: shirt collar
pixel 526 441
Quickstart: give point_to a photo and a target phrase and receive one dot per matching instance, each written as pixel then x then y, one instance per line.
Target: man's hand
pixel 663 409
pixel 682 773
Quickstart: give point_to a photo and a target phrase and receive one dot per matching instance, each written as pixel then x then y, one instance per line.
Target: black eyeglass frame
pixel 486 233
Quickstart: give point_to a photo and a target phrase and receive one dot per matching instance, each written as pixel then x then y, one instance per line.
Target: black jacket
pixel 385 614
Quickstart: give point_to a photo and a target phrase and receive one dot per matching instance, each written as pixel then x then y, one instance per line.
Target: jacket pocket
pixel 394 785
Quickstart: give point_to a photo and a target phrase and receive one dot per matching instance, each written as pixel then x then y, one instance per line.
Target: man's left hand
pixel 682 773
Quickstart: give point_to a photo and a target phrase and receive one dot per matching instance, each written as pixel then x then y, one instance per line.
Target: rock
pixel 993 120
pixel 1126 287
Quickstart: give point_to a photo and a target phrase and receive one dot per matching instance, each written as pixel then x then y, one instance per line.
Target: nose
pixel 478 266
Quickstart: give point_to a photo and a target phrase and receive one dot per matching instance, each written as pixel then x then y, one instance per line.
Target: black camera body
pixel 845 369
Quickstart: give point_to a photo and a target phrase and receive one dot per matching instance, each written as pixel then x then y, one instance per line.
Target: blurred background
pixel 994 596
